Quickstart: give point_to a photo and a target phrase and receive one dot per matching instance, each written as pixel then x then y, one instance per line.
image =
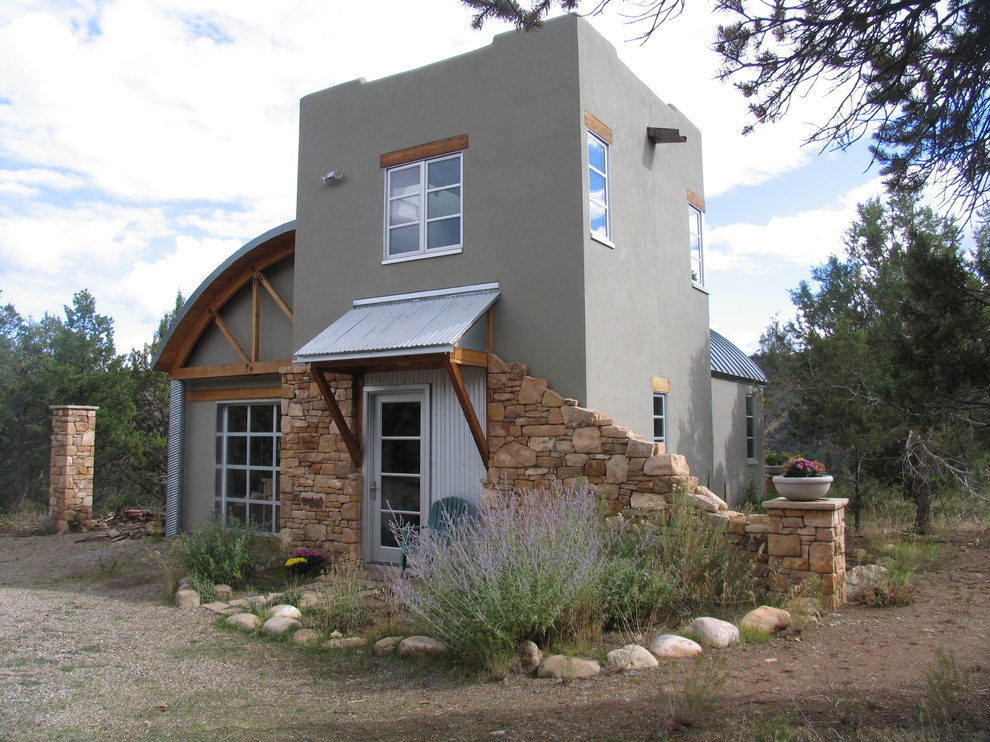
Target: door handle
pixel 373 488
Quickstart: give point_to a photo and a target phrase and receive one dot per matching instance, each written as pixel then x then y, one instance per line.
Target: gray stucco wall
pixel 732 473
pixel 275 332
pixel 523 224
pixel 644 318
pixel 596 322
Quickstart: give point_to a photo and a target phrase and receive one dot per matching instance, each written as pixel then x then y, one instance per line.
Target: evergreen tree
pixel 73 361
pixel 912 74
pixel 887 357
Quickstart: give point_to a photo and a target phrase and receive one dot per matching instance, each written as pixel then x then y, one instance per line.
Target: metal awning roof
pixel 402 325
pixel 728 360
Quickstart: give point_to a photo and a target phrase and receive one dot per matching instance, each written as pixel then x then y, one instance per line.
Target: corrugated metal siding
pixel 727 359
pixel 426 322
pixel 456 466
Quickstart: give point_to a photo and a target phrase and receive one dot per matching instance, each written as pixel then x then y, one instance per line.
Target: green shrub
pixel 218 553
pixel 509 576
pixel 340 605
pixel 894 588
pixel 948 688
pixel 661 571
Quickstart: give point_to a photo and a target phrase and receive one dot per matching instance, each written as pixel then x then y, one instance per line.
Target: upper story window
pixel 424 199
pixel 599 179
pixel 599 197
pixel 423 210
pixel 750 427
pixel 659 417
pixel 695 227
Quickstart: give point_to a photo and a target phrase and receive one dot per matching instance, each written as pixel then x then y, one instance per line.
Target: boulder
pixel 714 632
pixel 567 668
pixel 186 598
pixel 630 657
pixel 709 495
pixel 700 501
pixel 245 621
pixel 305 636
pixel 218 606
pixel 767 619
pixel 528 658
pixel 280 624
pixel 865 577
pixel 224 592
pixel 672 646
pixel 309 599
pixel 348 643
pixel 285 611
pixel 387 645
pixel 421 646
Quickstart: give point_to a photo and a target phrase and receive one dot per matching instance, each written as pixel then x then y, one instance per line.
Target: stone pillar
pixel 808 540
pixel 71 478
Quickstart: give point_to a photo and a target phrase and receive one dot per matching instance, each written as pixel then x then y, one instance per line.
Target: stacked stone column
pixel 70 496
pixel 319 487
pixel 806 540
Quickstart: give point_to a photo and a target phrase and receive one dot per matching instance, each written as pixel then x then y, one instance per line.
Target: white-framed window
pixel 423 208
pixel 247 462
pixel 751 427
pixel 659 417
pixel 599 188
pixel 696 223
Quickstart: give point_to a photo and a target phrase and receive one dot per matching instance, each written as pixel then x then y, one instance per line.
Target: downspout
pixel 176 443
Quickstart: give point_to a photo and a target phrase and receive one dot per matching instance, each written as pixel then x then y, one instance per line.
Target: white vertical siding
pixel 456 466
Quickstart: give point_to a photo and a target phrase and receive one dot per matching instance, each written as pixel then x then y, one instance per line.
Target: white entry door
pixel 396 490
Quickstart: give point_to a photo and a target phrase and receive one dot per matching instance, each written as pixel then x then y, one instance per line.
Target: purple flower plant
pixel 803 468
pixel 507 575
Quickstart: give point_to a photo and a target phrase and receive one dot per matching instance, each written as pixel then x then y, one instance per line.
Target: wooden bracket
pixel 663 135
pixel 477 432
pixel 350 440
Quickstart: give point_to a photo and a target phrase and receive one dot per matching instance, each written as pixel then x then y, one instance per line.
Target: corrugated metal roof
pixel 727 359
pixel 426 322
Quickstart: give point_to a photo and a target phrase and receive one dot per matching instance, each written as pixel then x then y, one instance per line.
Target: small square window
pixel 423 208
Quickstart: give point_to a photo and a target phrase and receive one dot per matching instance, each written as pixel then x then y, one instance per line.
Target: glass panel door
pixel 396 486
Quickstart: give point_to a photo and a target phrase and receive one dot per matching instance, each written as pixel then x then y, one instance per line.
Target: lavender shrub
pixel 506 576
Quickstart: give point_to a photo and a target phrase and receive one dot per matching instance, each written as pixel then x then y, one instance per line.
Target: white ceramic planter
pixel 802 489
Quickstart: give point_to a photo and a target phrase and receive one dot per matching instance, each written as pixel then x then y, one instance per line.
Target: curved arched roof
pixel 236 271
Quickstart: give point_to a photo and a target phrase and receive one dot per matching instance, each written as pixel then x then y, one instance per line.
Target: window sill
pixel 603 240
pixel 699 287
pixel 752 462
pixel 421 256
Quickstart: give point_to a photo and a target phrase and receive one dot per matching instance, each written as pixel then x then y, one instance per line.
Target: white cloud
pixel 804 238
pixel 151 138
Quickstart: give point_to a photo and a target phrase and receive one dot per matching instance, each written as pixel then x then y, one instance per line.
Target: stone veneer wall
pixel 319 488
pixel 536 437
pixel 71 474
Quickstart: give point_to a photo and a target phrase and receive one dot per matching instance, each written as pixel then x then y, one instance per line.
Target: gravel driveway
pixel 89 651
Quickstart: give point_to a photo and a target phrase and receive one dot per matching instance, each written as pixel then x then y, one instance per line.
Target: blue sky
pixel 143 141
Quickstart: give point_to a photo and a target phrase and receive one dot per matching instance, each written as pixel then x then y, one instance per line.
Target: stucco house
pixel 531 202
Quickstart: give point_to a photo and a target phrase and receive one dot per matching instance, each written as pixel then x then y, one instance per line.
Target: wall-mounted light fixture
pixel 333 175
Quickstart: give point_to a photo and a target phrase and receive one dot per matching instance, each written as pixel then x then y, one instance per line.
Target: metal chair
pixel 444 517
